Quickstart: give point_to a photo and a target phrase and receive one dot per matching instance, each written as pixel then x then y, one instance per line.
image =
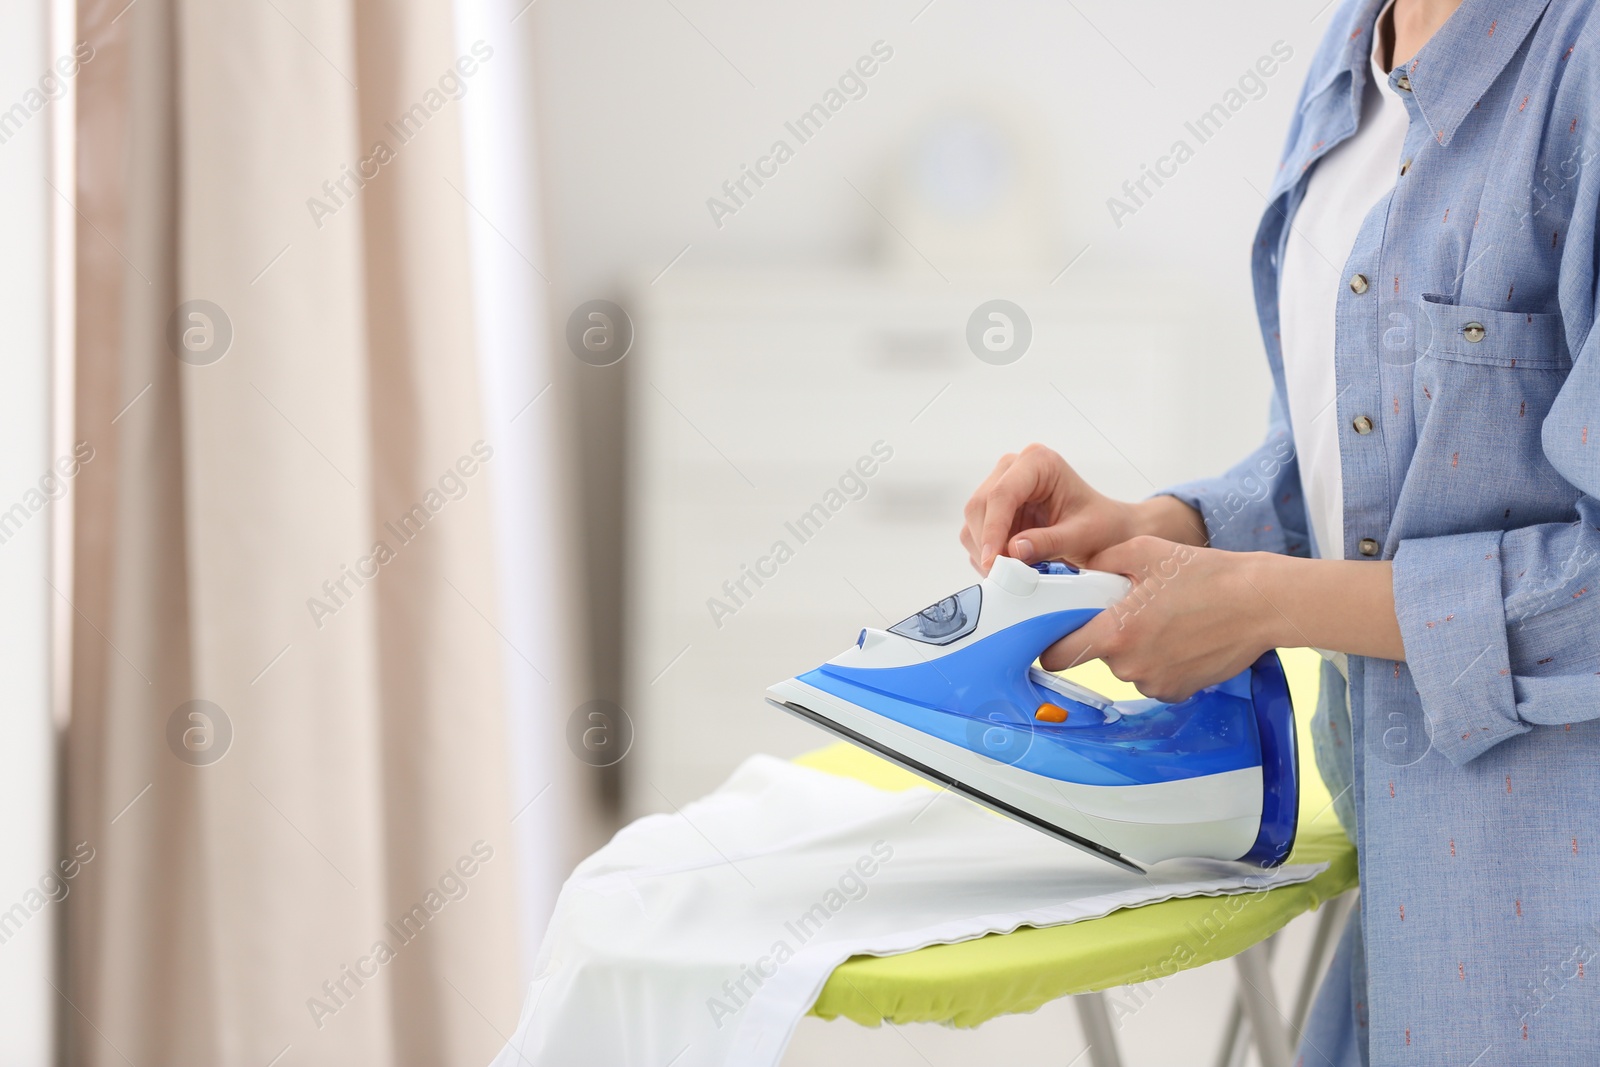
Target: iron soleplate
pixel 955 785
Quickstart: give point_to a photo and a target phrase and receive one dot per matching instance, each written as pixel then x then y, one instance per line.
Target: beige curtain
pixel 296 533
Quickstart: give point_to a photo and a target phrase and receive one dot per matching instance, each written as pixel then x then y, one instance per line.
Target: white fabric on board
pixel 701 938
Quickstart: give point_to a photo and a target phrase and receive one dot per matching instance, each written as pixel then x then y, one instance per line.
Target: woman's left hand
pixel 1194 618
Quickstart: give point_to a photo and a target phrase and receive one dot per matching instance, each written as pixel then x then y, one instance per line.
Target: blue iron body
pixel 979 697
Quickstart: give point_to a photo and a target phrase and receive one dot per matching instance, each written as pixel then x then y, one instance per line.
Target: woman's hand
pixel 1195 617
pixel 1033 506
pixel 1198 616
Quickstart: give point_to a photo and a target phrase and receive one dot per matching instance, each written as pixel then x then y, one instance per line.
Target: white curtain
pixel 524 397
pixel 31 501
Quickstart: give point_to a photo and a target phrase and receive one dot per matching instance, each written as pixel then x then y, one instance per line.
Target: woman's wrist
pixel 1334 604
pixel 1268 581
pixel 1168 518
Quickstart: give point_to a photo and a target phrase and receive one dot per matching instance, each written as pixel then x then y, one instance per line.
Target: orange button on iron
pixel 1050 713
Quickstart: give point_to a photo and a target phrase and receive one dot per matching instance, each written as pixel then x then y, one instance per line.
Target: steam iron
pixel 952 694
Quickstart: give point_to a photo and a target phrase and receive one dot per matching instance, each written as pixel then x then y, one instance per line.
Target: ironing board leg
pixel 1236 1035
pixel 1227 1055
pixel 1256 992
pixel 1330 924
pixel 1095 1020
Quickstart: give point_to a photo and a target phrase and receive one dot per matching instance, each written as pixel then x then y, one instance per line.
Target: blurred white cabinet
pixel 752 394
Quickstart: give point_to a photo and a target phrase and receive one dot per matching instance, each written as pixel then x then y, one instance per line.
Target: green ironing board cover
pixel 971 981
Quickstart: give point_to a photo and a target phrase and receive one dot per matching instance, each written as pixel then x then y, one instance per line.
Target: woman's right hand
pixel 1034 506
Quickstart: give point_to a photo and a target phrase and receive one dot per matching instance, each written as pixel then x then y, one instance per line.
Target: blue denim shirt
pixel 1473 766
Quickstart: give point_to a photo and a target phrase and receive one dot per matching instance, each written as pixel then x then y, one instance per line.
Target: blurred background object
pixel 290 270
pixel 973 191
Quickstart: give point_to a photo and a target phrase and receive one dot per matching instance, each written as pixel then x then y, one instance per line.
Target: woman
pixel 1426 509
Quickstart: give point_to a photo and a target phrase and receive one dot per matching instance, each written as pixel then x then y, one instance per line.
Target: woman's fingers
pixel 972 548
pixel 1092 640
pixel 1005 499
pixel 1033 506
pixel 1109 635
pixel 1192 619
pixel 1031 491
pixel 1127 557
pixel 1074 539
pixel 978 505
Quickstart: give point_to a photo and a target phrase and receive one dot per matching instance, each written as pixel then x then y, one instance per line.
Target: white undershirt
pixel 1345 185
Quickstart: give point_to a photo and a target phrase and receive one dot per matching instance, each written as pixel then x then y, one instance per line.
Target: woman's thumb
pixel 1061 541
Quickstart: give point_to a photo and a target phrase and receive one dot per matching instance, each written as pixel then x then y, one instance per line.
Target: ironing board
pixel 967 983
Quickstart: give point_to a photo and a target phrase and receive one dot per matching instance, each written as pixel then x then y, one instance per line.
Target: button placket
pixel 1361 511
pixel 1357 373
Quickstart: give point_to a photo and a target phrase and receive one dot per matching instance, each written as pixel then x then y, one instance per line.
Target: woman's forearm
pixel 1334 604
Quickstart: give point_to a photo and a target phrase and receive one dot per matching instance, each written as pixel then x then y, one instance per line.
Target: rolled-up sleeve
pixel 1502 628
pixel 1257 505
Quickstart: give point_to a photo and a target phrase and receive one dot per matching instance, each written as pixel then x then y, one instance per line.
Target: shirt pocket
pixel 1482 386
pixel 1465 334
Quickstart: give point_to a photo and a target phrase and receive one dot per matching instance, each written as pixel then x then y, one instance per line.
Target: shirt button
pixel 1368 547
pixel 1362 424
pixel 1473 331
pixel 1405 167
pixel 1358 284
pixel 1403 83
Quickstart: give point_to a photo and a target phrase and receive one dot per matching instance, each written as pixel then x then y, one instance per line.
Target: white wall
pixel 27 739
pixel 643 120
